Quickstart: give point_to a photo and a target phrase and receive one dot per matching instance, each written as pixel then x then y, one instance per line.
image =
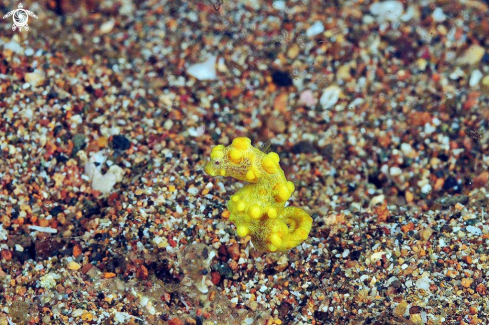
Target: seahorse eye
pixel 217 162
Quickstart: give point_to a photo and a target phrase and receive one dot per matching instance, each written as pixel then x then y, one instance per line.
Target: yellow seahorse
pixel 258 209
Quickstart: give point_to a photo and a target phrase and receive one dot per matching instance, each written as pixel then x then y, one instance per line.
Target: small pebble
pixel 474 230
pixel 438 15
pixel 426 189
pixel 307 98
pixel 406 149
pixel 279 5
pixel 107 27
pixel 475 77
pixel 315 29
pixel 467 282
pixel 395 171
pixel 74 266
pixel 472 55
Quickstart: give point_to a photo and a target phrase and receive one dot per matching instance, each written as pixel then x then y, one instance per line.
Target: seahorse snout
pixel 209 169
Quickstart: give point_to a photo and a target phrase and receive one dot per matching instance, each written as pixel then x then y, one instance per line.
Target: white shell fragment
pixel 205 70
pixel 43 229
pixel 377 200
pixel 387 10
pixel 330 97
pixel 14 47
pixel 423 282
pixel 279 5
pixel 197 132
pixel 3 233
pixel 474 230
pixel 102 183
pixel 105 183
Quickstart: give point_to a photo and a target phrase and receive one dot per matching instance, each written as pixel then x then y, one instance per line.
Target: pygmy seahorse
pixel 258 209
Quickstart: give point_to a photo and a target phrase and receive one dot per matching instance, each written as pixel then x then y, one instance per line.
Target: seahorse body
pixel 257 209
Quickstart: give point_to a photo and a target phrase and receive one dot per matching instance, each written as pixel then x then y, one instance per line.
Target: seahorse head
pixel 215 167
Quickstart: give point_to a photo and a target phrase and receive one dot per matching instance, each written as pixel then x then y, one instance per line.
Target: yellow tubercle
pixel 276 240
pixel 241 143
pixel 217 152
pixel 269 164
pixel 282 193
pixel 258 209
pixel 291 186
pixel 235 155
pixel 241 206
pixel 250 175
pixel 255 212
pixel 274 156
pixel 272 213
pixel 242 231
